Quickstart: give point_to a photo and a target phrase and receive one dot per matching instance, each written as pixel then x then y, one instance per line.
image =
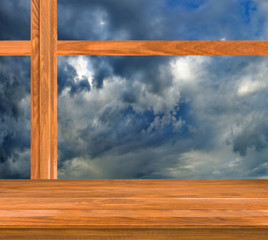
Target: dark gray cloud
pixel 251 133
pixel 14 117
pixel 162 19
pixel 144 117
pixel 67 78
pixel 163 117
pixel 15 20
pixel 14 93
pixel 206 118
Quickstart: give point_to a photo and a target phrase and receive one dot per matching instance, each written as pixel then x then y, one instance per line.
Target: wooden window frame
pixel 44 48
pixel 117 209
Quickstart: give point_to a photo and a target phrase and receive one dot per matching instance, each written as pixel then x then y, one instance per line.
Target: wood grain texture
pixel 15 48
pixel 35 89
pixel 135 234
pixel 53 90
pixel 134 209
pixel 135 205
pixel 47 159
pixel 162 48
pixel 139 47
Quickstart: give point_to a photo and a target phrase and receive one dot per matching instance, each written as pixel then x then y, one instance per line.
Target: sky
pixel 145 117
pixel 14 117
pixel 14 93
pixel 163 117
pixel 162 19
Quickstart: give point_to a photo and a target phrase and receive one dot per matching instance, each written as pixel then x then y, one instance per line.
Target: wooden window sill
pixel 133 209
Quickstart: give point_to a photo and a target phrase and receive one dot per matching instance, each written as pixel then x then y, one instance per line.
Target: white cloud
pixel 248 86
pixel 190 69
pixel 221 120
pixel 82 67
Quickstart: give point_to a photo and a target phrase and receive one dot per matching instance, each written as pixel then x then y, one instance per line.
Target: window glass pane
pixel 15 19
pixel 162 117
pixel 14 117
pixel 162 19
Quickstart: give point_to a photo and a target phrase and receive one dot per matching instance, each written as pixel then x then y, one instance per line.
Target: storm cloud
pixel 163 117
pixel 15 20
pixel 14 117
pixel 14 93
pixel 162 19
pixel 144 117
pixel 166 117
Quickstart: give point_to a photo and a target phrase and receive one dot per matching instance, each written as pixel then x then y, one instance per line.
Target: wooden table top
pixel 134 204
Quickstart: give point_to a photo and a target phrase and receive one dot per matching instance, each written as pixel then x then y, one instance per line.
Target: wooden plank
pixel 132 218
pixel 135 234
pixel 67 203
pixel 15 48
pixel 35 88
pixel 141 47
pixel 134 209
pixel 136 204
pixel 162 48
pixel 44 68
pixel 53 90
pixel 142 189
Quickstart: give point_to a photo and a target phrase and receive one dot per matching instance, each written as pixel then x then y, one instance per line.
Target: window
pixel 158 117
pixel 227 106
pixel 243 75
pixel 161 20
pixel 15 20
pixel 15 115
